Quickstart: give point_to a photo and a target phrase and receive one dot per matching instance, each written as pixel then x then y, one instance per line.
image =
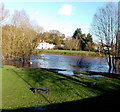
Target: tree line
pixel 21 36
pixel 78 41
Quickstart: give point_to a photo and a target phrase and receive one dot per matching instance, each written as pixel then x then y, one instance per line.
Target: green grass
pixel 0 86
pixel 90 52
pixel 63 88
pixel 67 52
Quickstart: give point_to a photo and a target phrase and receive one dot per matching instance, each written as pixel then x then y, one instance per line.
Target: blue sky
pixel 63 16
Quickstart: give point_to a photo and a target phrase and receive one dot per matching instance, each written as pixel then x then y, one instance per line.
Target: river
pixel 68 64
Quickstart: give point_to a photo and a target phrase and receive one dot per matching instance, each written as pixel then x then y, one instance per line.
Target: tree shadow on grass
pixel 105 102
pixel 40 76
pixel 43 77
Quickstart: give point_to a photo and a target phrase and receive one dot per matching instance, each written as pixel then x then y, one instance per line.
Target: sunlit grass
pixel 67 52
pixel 17 81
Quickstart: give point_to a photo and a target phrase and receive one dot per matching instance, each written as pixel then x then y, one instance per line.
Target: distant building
pixel 45 45
pixel 62 45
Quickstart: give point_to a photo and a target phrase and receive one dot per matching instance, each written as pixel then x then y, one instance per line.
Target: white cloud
pixel 65 9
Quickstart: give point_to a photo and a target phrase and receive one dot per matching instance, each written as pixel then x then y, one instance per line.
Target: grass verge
pixel 65 90
pixel 67 52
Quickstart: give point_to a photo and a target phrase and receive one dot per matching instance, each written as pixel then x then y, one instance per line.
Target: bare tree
pixel 118 33
pixel 4 13
pixel 105 27
pixel 18 42
pixel 21 19
pixel 118 42
pixel 72 44
pixel 37 28
pixel 55 32
pixel 21 37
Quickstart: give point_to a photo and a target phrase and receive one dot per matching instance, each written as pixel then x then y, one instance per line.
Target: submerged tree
pixel 20 36
pixel 104 26
pixel 17 42
pixel 118 42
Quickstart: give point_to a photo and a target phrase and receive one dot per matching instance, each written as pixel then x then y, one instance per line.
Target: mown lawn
pixel 65 91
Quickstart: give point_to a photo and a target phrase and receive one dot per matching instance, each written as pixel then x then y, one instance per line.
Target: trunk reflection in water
pixel 68 64
pixel 64 63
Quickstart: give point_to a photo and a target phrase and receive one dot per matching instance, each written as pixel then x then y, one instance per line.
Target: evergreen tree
pixel 82 39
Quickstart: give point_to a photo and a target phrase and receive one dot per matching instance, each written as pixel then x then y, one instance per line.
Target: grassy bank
pixel 67 52
pixel 66 92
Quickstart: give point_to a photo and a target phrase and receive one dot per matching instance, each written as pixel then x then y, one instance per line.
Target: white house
pixel 45 45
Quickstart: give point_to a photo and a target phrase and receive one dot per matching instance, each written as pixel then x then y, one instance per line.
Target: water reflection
pixel 68 64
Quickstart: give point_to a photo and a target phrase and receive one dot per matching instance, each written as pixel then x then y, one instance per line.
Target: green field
pixel 66 92
pixel 91 52
pixel 67 52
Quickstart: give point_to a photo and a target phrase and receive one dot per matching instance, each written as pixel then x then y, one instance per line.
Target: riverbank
pixel 65 92
pixel 68 52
